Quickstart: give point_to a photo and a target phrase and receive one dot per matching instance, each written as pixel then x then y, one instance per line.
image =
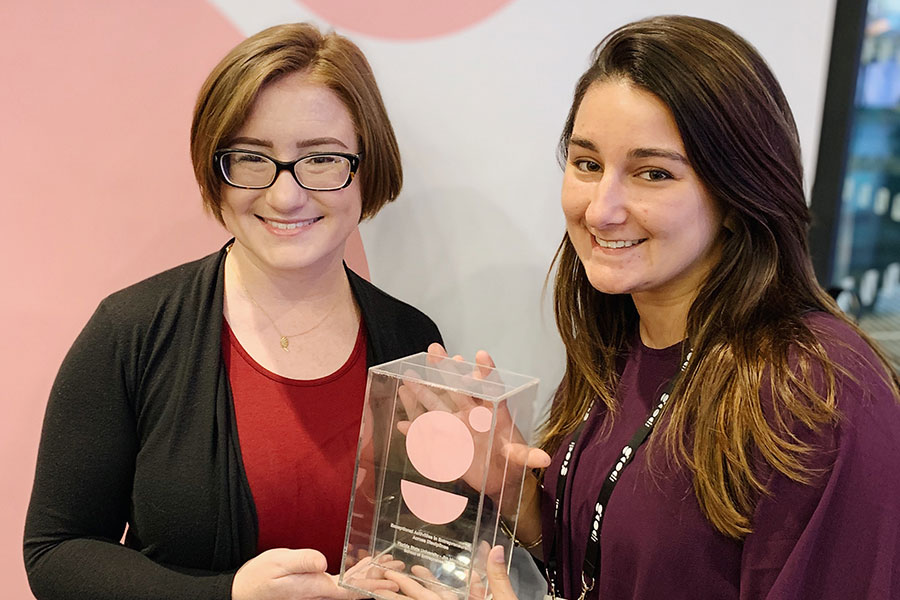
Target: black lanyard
pixel 591 567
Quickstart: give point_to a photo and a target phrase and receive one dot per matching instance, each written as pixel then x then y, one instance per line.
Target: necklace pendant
pixel 285 343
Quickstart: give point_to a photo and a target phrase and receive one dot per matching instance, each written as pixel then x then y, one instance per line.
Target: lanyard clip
pixel 585 586
pixel 551 579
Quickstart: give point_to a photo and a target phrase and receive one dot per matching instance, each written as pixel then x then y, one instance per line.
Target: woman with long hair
pixel 722 430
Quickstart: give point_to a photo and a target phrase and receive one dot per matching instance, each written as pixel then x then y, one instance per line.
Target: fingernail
pixel 498 556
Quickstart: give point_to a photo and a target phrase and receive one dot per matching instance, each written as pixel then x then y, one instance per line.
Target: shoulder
pixel 395 323
pixel 387 308
pixel 839 400
pixel 160 312
pixel 836 335
pixel 159 294
pixel 865 390
pixel 857 366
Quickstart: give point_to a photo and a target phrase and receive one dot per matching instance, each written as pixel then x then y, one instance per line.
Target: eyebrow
pixel 319 141
pixel 657 153
pixel 634 152
pixel 582 143
pixel 252 141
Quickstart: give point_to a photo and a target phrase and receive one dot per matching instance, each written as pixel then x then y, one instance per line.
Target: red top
pixel 298 440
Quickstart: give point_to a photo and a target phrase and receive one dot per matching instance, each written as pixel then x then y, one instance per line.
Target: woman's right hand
pixel 282 574
pixel 517 450
pixel 506 442
pixel 508 446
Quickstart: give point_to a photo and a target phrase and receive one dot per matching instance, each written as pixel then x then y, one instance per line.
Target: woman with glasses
pixel 722 429
pixel 215 408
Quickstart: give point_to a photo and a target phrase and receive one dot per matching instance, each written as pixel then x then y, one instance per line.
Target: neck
pixel 663 321
pixel 274 287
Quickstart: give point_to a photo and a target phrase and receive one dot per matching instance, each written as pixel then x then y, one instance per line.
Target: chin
pixel 609 283
pixel 306 264
pixel 612 291
pixel 292 260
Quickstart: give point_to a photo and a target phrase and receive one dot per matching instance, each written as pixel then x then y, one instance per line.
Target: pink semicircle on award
pixel 440 446
pixel 432 505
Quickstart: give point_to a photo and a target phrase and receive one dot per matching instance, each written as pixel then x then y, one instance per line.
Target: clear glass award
pixel 441 453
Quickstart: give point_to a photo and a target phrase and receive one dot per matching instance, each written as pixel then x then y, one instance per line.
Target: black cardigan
pixel 140 428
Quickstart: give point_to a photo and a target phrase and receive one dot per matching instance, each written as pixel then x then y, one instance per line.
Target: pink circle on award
pixel 406 19
pixel 480 418
pixel 440 446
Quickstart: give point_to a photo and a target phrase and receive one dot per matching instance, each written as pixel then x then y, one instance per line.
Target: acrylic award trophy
pixel 441 451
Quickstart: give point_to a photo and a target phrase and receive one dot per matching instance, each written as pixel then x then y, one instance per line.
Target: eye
pixel 240 157
pixel 587 165
pixel 324 159
pixel 655 175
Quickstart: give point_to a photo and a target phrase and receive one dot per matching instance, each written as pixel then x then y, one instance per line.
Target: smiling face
pixel 285 227
pixel 636 213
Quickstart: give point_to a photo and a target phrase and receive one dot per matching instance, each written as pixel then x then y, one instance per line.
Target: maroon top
pixel 298 442
pixel 838 538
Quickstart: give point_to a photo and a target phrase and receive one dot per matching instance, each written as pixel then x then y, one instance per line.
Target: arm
pixel 528 527
pixel 81 496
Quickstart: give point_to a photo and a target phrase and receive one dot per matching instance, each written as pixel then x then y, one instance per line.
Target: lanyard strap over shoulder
pixel 591 567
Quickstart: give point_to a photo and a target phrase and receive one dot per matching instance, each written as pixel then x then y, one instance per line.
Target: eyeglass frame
pixel 287 166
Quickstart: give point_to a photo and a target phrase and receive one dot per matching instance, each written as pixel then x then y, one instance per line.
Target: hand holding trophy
pixel 441 457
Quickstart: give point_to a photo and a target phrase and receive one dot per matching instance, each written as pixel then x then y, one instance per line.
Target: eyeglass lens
pixel 326 171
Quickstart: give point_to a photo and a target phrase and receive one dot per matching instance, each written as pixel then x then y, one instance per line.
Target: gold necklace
pixel 285 340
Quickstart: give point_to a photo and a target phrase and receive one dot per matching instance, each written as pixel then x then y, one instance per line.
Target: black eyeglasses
pixel 317 172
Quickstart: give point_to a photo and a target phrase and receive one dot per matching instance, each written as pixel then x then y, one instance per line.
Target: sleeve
pixel 81 496
pixel 838 537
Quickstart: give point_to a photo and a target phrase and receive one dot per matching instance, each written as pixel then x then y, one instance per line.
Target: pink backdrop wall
pixel 98 184
pixel 97 187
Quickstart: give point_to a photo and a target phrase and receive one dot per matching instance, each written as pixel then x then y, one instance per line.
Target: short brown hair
pixel 227 96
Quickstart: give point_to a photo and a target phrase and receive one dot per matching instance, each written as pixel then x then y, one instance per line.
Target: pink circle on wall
pixel 440 446
pixel 405 19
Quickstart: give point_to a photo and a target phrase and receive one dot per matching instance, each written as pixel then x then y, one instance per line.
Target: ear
pixel 729 222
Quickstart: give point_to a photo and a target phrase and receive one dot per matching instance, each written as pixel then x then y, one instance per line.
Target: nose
pixel 606 205
pixel 285 195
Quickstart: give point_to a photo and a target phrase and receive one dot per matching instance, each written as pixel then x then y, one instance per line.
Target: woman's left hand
pixel 498 582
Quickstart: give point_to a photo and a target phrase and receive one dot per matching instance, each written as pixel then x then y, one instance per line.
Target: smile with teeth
pixel 617 243
pixel 288 226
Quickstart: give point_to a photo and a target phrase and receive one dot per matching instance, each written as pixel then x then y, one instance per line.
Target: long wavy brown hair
pixel 748 316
